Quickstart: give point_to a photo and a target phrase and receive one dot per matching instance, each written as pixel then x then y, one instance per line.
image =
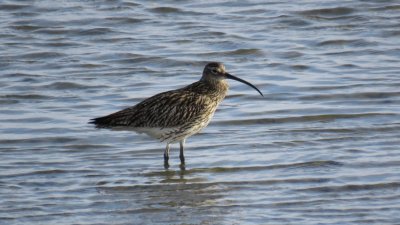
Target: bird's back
pixel 183 110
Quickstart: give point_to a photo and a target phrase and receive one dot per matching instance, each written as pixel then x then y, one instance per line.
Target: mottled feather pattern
pixel 187 110
pixel 175 115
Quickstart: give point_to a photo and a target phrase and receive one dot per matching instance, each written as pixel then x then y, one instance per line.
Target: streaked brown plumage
pixel 173 116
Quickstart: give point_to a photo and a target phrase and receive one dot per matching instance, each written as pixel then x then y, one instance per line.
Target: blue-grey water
pixel 322 146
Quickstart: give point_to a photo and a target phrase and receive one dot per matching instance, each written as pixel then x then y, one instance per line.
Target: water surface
pixel 322 146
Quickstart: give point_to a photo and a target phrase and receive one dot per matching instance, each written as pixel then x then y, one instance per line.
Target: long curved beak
pixel 229 76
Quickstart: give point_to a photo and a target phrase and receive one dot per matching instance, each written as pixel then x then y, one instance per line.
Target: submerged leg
pixel 166 156
pixel 181 155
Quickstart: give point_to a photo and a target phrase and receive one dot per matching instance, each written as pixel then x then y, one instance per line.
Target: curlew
pixel 175 115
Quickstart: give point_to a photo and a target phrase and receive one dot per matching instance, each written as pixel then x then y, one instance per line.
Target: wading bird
pixel 175 115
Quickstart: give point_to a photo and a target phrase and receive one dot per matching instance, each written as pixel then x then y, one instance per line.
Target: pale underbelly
pixel 169 134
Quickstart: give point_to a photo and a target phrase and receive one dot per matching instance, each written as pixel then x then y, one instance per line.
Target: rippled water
pixel 322 146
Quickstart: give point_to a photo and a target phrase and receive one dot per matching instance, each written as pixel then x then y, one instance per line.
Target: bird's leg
pixel 166 157
pixel 181 156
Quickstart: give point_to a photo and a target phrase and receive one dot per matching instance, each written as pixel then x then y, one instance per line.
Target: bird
pixel 175 115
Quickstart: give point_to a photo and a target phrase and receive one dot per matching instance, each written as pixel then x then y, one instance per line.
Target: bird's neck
pixel 215 87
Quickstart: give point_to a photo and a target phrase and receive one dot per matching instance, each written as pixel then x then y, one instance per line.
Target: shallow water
pixel 322 146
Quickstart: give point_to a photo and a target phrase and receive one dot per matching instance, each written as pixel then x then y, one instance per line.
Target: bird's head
pixel 215 71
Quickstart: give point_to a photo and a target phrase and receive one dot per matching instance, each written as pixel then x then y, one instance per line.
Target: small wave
pixel 355 42
pixel 65 86
pixel 26 27
pixel 91 65
pixel 311 164
pixel 391 33
pixel 175 10
pixel 38 172
pixel 376 164
pixel 96 31
pixel 251 11
pixel 12 7
pixel 290 54
pixel 127 20
pixel 26 120
pixel 293 22
pixel 55 30
pixel 355 52
pixel 215 34
pixel 358 95
pixel 299 119
pixel 245 51
pixel 183 184
pixel 8 102
pixel 338 11
pixel 354 187
pixel 386 8
pixel 152 187
pixel 300 67
pixel 44 140
pixel 26 96
pixel 165 10
pixel 80 147
pixel 42 55
pixel 358 129
pixel 238 52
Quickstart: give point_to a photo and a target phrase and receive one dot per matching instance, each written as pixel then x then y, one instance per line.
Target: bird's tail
pixel 101 122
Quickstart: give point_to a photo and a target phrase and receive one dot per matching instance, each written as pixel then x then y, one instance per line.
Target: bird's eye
pixel 214 71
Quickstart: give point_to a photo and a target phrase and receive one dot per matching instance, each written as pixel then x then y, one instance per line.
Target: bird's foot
pixel 166 165
pixel 182 167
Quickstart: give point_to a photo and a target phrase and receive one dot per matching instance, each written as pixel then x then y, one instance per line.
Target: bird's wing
pixel 167 109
